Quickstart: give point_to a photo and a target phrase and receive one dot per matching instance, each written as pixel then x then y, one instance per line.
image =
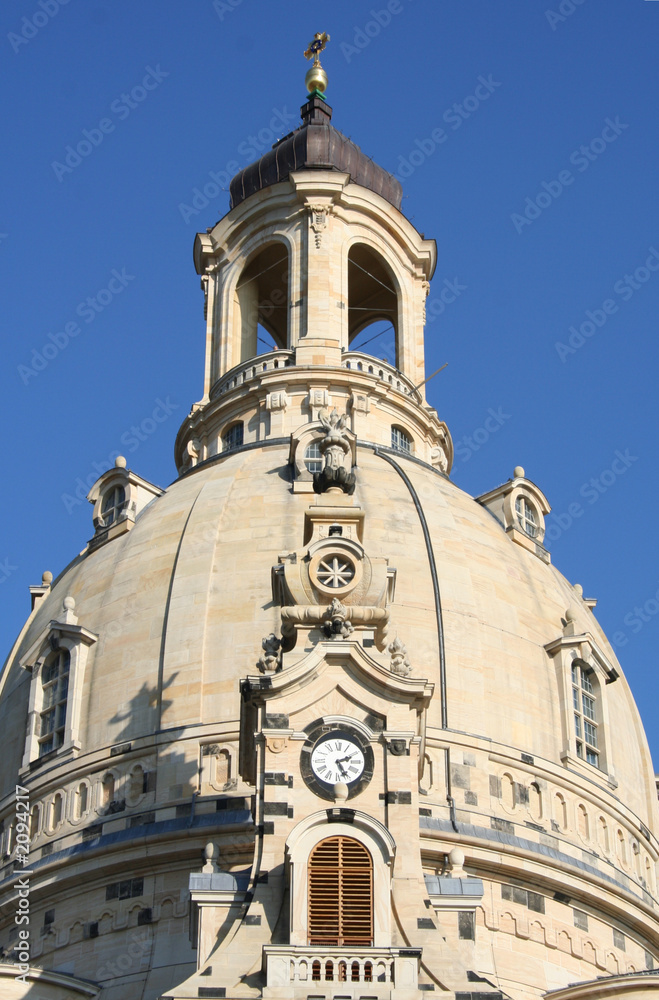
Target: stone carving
pixel 318 220
pixel 192 450
pixel 276 400
pixel 334 447
pixel 399 663
pixel 439 459
pixel 337 624
pixel 270 660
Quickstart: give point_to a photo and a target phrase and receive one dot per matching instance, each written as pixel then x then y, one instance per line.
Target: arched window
pixel 535 801
pixel 56 811
pixel 113 505
pixel 233 437
pixel 400 440
pixel 585 713
pixel 55 683
pixel 81 799
pixel 508 791
pixel 526 516
pixel 560 811
pixel 603 835
pixel 583 822
pixel 313 459
pixel 340 893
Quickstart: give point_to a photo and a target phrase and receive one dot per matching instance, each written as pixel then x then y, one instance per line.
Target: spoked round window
pixel 526 516
pixel 335 572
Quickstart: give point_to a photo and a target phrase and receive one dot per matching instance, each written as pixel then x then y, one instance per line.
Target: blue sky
pixel 525 136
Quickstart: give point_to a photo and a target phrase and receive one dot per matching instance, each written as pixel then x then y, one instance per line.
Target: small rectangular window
pixel 580 920
pixel 466 925
pixel 618 940
pixel 536 902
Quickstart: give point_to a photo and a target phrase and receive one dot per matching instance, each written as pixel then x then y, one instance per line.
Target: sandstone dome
pixel 313 570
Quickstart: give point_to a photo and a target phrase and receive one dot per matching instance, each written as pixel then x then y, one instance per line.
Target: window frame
pixel 54 734
pixel 227 444
pixel 398 435
pixel 315 459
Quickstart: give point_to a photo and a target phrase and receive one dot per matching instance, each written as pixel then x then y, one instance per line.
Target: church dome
pixel 312 720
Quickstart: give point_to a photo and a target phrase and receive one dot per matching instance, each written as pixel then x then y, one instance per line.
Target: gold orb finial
pixel 316 78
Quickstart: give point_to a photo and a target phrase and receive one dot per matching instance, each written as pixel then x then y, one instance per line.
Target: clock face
pixel 336 757
pixel 333 753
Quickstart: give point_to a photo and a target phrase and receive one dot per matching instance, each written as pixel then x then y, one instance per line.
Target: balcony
pixel 298 973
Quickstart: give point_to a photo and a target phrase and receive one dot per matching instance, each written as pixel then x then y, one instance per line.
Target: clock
pixel 336 753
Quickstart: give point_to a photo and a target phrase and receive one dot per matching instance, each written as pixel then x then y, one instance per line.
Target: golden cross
pixel 320 40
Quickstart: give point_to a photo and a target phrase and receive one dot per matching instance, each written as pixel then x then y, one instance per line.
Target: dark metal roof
pixel 315 145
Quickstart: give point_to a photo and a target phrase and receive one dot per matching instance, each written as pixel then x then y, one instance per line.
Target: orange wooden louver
pixel 340 893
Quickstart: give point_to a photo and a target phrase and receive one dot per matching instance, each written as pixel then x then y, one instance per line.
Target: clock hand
pixel 349 757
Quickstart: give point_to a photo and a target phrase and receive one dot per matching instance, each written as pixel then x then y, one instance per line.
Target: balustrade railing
pixel 352 360
pixel 381 972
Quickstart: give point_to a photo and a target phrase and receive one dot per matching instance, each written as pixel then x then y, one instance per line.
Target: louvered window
pixel 340 893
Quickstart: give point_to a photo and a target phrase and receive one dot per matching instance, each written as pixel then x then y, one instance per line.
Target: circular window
pixel 334 571
pixel 527 517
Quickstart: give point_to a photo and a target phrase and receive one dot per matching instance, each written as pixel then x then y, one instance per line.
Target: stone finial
pixel 456 860
pixel 337 626
pixel 518 472
pixel 334 448
pixel 399 662
pixel 120 462
pixel 270 660
pixel 578 589
pixel 211 854
pixel 68 616
pixel 46 578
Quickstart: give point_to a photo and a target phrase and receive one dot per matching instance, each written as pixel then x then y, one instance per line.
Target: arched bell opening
pixel 372 304
pixel 261 302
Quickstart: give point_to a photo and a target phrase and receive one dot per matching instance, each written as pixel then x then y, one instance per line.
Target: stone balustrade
pixel 382 973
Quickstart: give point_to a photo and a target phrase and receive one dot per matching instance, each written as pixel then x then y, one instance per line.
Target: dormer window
pixel 520 507
pixel 233 437
pixel 118 497
pixel 526 516
pixel 55 684
pixel 400 440
pixel 56 662
pixel 114 502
